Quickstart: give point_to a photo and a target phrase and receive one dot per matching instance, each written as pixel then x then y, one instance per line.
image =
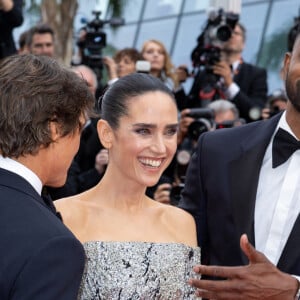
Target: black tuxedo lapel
pixel 245 169
pixel 16 182
pixel 244 76
pixel 291 251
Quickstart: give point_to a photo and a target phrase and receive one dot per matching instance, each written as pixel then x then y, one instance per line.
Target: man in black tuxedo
pixel 240 82
pixel 43 110
pixel 246 180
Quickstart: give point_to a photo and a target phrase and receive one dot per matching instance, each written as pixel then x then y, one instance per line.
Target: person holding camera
pixel 242 187
pixel 243 84
pixel 11 16
pixel 277 102
pixel 219 114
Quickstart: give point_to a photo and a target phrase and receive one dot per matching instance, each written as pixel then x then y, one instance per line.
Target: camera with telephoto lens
pixel 217 31
pixel 204 121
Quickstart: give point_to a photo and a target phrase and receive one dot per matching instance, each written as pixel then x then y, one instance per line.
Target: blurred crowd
pixel 230 93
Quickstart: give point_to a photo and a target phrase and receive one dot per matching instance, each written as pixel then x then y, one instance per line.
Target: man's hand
pixel 101 161
pixel 265 113
pixel 111 67
pixel 223 69
pixel 184 123
pixel 162 193
pixel 259 280
pixel 6 5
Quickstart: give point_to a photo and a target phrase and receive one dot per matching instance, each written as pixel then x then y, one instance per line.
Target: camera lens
pixel 198 127
pixel 223 33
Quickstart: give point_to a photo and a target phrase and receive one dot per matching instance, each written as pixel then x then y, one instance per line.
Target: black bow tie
pixel 48 201
pixel 284 145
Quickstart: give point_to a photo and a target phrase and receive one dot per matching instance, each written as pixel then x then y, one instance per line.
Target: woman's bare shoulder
pixel 72 209
pixel 179 216
pixel 181 223
pixel 68 204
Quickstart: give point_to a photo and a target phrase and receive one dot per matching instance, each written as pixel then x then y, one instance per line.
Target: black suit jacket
pixel 220 192
pixel 39 257
pixel 8 21
pixel 252 81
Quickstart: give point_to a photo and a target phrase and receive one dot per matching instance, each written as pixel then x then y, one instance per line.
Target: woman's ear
pixel 105 133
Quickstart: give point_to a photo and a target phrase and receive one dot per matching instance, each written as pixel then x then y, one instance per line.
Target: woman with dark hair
pixel 136 248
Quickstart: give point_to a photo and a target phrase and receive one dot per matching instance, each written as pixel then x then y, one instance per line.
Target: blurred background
pixel 177 23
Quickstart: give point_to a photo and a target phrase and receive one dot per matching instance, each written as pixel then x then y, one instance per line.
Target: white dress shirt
pixel 277 200
pixel 233 89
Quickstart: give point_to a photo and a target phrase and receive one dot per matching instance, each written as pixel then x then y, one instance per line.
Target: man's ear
pixel 105 133
pixel 287 60
pixel 54 130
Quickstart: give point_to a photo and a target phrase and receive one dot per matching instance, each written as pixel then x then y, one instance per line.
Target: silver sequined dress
pixel 138 270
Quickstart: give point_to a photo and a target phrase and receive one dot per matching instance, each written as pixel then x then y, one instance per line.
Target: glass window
pixel 280 22
pixel 132 10
pixel 161 8
pixel 122 37
pixel 186 40
pixel 250 1
pixel 253 18
pixel 195 5
pixel 162 30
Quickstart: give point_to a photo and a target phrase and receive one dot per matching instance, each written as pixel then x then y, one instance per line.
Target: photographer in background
pixel 10 17
pixel 219 114
pixel 277 102
pixel 224 114
pixel 243 84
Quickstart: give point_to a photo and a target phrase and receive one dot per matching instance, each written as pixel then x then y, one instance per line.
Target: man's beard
pixel 293 92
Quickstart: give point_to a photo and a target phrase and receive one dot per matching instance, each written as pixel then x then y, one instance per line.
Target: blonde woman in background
pixel 162 67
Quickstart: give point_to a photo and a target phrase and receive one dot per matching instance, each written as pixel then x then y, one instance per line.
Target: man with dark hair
pixel 293 33
pixel 246 180
pixel 23 49
pixel 11 16
pixel 233 79
pixel 40 40
pixel 43 109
